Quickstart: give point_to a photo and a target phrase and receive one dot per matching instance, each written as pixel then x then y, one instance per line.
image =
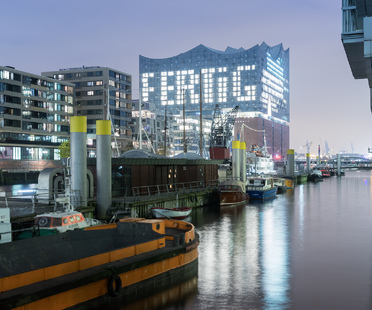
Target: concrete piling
pixel 78 154
pixel 104 181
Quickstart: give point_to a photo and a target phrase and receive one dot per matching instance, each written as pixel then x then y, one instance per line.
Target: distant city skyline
pixel 327 104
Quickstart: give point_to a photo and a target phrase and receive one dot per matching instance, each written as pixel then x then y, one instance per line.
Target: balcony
pixel 357 37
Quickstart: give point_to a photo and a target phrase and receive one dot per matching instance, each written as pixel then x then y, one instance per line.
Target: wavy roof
pixel 274 51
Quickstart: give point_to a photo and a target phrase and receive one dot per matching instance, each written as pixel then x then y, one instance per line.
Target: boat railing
pixel 176 188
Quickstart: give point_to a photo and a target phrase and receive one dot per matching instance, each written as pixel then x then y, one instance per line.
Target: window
pixel 90 93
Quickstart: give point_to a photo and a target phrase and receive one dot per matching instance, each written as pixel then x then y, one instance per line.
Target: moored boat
pixel 325 172
pixel 171 213
pixel 315 176
pixel 280 183
pixel 232 192
pixel 90 267
pixel 259 161
pixel 261 187
pixel 57 222
pixel 177 212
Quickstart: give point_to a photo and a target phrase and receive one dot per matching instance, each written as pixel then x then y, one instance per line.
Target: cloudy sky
pixel 327 103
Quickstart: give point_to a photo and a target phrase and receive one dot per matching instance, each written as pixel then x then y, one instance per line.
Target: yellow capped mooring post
pixel 243 162
pixel 236 160
pixel 307 163
pixel 291 162
pixel 78 155
pixel 104 181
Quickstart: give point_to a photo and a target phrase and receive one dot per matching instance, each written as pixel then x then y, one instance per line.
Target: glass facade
pixel 95 87
pixel 256 79
pixel 34 115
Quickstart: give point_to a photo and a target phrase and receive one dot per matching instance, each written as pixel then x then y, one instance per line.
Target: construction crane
pixel 308 144
pixel 222 129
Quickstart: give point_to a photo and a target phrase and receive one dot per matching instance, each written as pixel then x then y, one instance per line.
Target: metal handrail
pixel 157 190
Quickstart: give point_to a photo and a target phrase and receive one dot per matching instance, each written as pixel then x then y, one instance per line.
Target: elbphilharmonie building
pixel 255 79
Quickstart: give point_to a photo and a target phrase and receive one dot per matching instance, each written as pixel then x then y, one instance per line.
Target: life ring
pixel 114 290
pixel 43 221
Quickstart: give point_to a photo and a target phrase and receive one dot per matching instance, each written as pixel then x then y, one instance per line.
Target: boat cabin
pixel 61 220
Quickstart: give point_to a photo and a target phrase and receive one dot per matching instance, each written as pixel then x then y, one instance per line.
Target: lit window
pixel 151 74
pixel 90 93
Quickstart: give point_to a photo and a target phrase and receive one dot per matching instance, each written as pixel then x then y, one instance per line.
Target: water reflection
pixel 309 248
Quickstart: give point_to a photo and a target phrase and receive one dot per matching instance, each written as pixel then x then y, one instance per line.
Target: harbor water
pixel 310 248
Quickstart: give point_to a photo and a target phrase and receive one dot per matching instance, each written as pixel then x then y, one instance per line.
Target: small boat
pixel 281 184
pixel 92 268
pixel 261 187
pixel 178 213
pixel 315 176
pixel 232 192
pixel 325 172
pixel 57 222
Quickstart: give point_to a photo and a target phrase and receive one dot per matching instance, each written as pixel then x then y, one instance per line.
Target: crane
pixel 308 144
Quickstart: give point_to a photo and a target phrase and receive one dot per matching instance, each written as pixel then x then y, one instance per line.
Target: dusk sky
pixel 327 103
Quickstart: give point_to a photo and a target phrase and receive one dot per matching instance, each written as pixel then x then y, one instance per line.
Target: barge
pixel 100 265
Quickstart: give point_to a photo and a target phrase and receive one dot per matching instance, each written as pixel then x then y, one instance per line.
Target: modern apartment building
pixel 357 38
pixel 34 114
pixel 255 79
pixel 102 93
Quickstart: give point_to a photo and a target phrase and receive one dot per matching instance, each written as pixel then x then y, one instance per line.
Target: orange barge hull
pixel 100 265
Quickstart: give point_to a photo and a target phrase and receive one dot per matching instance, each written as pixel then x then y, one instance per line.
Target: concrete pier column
pixel 338 165
pixel 243 162
pixel 291 162
pixel 307 163
pixel 104 181
pixel 236 160
pixel 78 154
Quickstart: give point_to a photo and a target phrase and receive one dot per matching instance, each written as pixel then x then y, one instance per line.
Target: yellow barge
pixel 100 265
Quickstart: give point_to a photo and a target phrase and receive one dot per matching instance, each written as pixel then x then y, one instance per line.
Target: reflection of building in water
pixel 245 255
pixel 274 258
